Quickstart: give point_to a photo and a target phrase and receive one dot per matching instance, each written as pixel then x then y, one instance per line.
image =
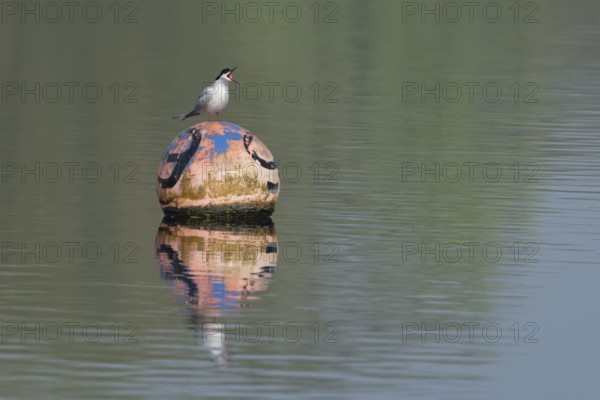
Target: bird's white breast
pixel 219 98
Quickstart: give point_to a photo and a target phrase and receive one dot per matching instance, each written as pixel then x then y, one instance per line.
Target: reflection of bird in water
pixel 215 341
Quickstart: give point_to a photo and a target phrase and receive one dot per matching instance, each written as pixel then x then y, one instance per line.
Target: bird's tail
pixel 184 116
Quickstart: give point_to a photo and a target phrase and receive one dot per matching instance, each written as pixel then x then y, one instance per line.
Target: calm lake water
pixel 436 234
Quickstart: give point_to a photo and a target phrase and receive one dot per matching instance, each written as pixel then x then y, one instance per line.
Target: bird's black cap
pixel 224 71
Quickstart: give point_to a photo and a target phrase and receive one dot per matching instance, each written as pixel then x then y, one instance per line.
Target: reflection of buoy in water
pixel 216 269
pixel 217 168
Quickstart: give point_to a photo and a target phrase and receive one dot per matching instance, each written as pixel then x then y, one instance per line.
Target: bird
pixel 213 98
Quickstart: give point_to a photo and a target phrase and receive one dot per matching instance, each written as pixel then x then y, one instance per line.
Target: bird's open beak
pixel 231 77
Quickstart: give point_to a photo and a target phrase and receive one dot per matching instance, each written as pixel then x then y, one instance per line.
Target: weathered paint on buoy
pixel 217 168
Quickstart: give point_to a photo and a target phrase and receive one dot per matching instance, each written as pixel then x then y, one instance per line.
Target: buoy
pixel 217 169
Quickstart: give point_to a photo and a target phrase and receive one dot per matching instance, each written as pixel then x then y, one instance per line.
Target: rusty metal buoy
pixel 217 169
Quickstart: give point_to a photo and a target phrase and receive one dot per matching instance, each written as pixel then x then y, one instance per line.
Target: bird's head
pixel 226 74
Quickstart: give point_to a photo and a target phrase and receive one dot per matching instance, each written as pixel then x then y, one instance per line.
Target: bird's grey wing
pixel 203 98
